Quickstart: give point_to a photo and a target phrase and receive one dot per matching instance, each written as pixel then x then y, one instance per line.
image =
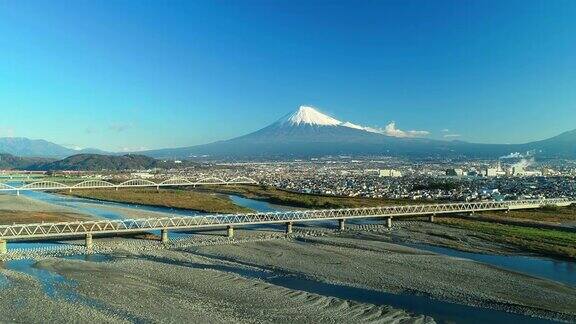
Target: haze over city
pixel 128 76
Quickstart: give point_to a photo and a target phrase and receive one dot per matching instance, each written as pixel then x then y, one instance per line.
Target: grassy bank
pixel 172 198
pixel 294 199
pixel 547 214
pixel 542 241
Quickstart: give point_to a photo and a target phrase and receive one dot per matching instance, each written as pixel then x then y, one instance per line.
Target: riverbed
pixel 439 306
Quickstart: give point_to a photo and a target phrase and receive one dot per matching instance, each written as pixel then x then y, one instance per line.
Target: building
pixel 390 173
pixel 491 172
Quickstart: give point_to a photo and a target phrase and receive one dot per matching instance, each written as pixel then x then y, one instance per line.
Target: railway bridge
pixel 47 185
pixel 45 231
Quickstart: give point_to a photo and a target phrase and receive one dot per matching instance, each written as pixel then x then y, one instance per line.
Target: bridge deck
pixel 67 229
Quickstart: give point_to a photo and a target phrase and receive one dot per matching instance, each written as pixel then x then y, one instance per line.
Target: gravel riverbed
pixel 201 278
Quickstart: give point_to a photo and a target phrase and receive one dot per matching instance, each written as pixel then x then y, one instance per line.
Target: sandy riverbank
pixel 21 209
pixel 188 292
pixel 368 260
pixel 23 203
pixel 187 282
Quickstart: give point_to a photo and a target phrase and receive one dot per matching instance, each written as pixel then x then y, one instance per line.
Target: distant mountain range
pixel 24 147
pixel 87 162
pixel 8 161
pixel 308 133
pixel 97 162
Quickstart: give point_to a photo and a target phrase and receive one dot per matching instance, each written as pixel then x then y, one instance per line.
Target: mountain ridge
pixel 309 133
pixel 25 147
pixel 88 162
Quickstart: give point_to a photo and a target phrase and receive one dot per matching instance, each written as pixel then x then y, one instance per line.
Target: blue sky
pixel 148 74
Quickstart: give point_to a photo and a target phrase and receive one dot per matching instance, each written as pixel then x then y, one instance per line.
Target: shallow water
pixel 563 271
pixel 53 284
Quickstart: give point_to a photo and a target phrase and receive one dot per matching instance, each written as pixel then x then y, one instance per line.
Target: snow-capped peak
pixel 309 116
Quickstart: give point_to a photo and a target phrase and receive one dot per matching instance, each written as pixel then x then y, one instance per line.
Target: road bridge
pixel 229 221
pixel 47 185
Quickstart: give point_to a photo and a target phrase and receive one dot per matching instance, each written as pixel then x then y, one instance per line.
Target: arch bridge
pixel 229 221
pixel 48 185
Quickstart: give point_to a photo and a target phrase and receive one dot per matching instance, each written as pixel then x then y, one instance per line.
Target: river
pixel 561 271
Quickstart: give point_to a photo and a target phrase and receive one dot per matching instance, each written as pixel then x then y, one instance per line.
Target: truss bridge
pixel 229 221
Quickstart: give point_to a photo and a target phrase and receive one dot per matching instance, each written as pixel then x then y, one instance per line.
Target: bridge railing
pixel 23 231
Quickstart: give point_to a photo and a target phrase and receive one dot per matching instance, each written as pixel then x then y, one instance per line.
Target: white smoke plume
pixel 518 155
pixel 391 130
pixel 524 163
pixel 515 155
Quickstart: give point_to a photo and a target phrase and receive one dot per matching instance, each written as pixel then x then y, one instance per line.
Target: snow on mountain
pixel 350 125
pixel 364 128
pixel 306 115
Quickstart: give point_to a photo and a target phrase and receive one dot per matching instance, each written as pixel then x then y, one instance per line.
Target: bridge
pixel 229 221
pixel 47 185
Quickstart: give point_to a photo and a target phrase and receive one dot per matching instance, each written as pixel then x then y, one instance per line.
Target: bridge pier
pixel 3 247
pixel 342 224
pixel 389 222
pixel 164 235
pixel 230 232
pixel 89 245
pixel 289 228
pixel 431 218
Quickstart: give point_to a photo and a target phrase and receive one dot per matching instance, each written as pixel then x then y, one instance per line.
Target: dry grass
pixel 294 199
pixel 543 241
pixel 8 217
pixel 171 198
pixel 547 214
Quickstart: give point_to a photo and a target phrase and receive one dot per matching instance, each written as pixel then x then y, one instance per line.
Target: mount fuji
pixel 307 132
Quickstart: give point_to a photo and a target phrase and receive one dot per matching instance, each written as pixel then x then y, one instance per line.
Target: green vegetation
pixel 10 162
pixel 172 198
pixel 98 162
pixel 294 199
pixel 543 241
pixel 546 214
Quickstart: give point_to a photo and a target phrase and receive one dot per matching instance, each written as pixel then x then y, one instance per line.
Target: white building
pixel 390 173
